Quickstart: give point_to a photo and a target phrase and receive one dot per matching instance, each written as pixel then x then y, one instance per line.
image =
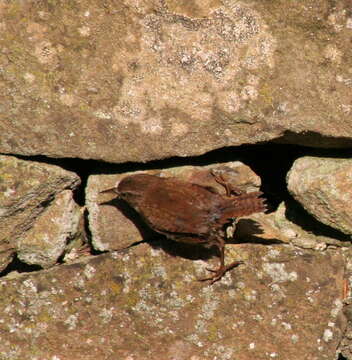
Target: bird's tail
pixel 244 205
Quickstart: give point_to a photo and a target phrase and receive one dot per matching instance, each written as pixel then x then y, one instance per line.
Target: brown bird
pixel 187 212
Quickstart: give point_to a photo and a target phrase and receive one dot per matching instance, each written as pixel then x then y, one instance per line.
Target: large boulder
pixel 140 80
pixel 283 303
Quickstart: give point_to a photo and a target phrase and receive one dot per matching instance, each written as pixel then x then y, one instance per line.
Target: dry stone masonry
pixel 92 91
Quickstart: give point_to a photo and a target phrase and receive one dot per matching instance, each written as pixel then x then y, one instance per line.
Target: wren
pixel 187 212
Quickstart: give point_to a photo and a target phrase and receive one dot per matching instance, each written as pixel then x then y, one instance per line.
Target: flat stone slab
pixel 141 80
pixel 283 303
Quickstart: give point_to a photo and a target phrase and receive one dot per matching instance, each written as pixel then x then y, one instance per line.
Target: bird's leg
pixel 220 272
pixel 230 189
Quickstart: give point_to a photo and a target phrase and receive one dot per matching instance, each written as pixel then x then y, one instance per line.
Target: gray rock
pixel 46 241
pixel 141 80
pixel 345 347
pixel 26 190
pixel 282 303
pixel 323 187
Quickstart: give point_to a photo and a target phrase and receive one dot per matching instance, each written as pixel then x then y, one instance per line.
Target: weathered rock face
pixel 114 226
pixel 47 239
pixel 140 80
pixel 279 227
pixel 283 303
pixel 323 187
pixel 27 224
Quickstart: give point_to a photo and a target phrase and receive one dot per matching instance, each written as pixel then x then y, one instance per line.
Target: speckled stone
pixel 26 190
pixel 140 80
pixel 323 187
pixel 47 239
pixel 285 225
pixel 283 303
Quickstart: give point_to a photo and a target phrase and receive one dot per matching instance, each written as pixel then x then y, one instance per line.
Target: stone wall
pixel 92 91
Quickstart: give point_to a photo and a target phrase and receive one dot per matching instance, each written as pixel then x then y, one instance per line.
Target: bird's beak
pixel 111 190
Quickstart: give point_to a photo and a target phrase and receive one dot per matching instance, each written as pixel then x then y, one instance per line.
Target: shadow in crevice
pixel 246 231
pixel 296 213
pixel 202 251
pixel 315 140
pixel 341 357
pixel 271 161
pixel 183 250
pixel 19 266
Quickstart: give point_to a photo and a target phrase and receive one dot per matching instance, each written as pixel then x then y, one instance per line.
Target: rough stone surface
pixel 136 80
pixel 346 343
pixel 46 241
pixel 26 189
pixel 285 225
pixel 139 80
pixel 323 187
pixel 284 303
pixel 112 223
pixel 7 254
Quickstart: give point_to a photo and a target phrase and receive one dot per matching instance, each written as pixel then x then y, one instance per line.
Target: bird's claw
pixel 220 272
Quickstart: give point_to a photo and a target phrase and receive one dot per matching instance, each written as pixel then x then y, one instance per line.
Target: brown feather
pixel 188 212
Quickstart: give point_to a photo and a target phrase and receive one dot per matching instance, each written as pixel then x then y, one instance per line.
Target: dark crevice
pixel 183 250
pixel 314 139
pixel 270 161
pixel 88 235
pixel 341 357
pixel 45 203
pixel 19 266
